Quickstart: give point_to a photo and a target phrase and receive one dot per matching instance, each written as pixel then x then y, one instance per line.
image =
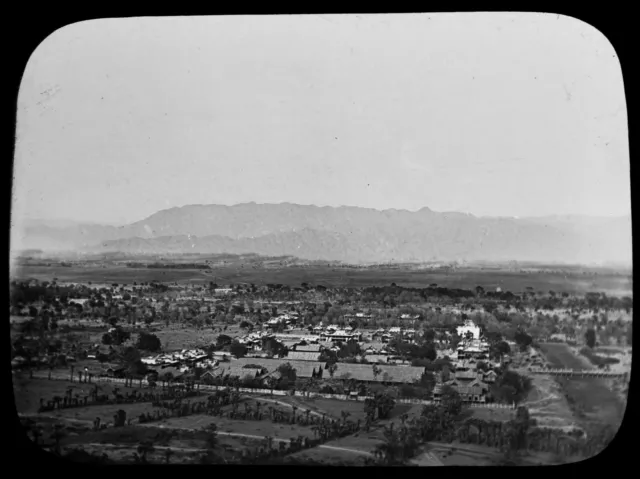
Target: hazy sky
pixel 491 114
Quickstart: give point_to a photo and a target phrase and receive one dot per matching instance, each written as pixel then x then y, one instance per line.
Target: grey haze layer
pixel 349 234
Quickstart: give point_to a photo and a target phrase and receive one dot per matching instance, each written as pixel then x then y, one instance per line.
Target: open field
pixel 104 412
pixel 488 414
pixel 121 443
pixel 467 278
pixel 594 399
pixel 331 407
pixel 174 339
pixel 252 428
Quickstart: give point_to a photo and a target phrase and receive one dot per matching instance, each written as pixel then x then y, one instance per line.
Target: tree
pixel 429 335
pixel 148 342
pixel 131 354
pixel 238 349
pixel 223 340
pixel 118 336
pixel 137 369
pixel 145 448
pixel 482 366
pixel 521 425
pixel 381 404
pixel 376 371
pixel 499 349
pixel 212 435
pixel 287 371
pixel 398 447
pixel 590 337
pixel 523 340
pixel 451 401
pixel 511 387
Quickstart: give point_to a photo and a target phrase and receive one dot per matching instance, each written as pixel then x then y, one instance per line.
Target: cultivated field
pixel 467 278
pixel 593 400
pixel 561 356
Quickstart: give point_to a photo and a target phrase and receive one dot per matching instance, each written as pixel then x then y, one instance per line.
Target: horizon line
pixel 422 209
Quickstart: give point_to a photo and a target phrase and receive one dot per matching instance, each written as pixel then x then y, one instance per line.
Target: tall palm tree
pixel 145 448
pixel 57 435
pixel 403 418
pixel 212 435
pixel 345 415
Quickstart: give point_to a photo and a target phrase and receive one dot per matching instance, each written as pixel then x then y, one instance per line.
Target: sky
pixel 512 114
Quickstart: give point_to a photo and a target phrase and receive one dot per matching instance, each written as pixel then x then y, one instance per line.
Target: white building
pixel 340 335
pixel 469 327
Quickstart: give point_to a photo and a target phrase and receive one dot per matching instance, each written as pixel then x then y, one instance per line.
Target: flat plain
pixel 463 278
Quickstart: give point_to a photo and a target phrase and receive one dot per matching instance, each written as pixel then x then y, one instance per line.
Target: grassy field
pixel 467 278
pixel 27 392
pixel 174 339
pixel 104 412
pixel 121 443
pixel 333 408
pixel 254 428
pixel 497 414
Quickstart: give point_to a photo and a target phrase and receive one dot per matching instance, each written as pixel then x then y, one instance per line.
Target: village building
pixel 303 356
pixel 376 358
pixel 309 347
pixel 468 327
pixel 470 391
pixel 340 335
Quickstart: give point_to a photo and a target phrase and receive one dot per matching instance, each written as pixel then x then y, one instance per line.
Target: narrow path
pixel 281 403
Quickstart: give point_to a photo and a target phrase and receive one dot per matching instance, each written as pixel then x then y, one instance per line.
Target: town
pixel 352 361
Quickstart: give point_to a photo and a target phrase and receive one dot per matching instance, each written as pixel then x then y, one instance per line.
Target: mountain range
pixel 348 234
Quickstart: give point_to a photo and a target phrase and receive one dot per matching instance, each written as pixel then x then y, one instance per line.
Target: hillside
pixel 348 234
